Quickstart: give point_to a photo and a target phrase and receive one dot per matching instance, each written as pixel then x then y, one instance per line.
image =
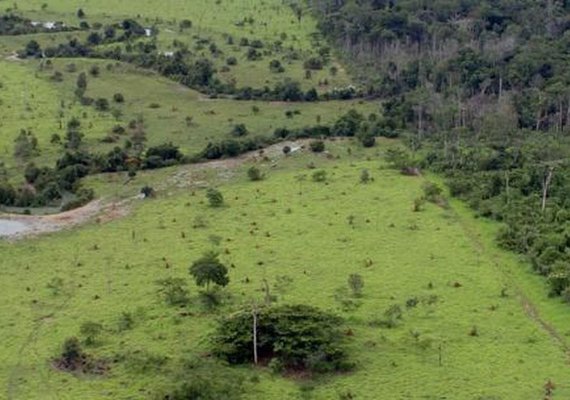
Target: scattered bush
pixel 102 104
pixel 147 192
pixel 94 71
pixel 319 176
pixel 174 291
pixel 185 24
pixel 239 130
pixel 74 359
pixel 215 198
pixel 254 174
pixel 91 331
pixel 119 98
pixel 356 284
pixel 313 63
pixel 317 146
pixel 365 176
pixel 202 379
pixel 276 67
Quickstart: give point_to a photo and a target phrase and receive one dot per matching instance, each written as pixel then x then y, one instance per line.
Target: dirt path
pixel 102 211
pixel 13 57
pixel 33 225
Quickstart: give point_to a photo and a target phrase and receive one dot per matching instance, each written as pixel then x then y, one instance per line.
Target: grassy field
pixel 476 324
pixel 286 227
pixel 269 22
pixel 32 100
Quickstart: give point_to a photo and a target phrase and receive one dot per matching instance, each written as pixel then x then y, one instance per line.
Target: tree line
pixel 479 92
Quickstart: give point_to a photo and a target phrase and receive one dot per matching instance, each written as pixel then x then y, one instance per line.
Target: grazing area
pixel 284 199
pixel 437 310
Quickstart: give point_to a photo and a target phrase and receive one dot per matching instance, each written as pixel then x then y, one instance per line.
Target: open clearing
pixel 286 227
pixel 473 322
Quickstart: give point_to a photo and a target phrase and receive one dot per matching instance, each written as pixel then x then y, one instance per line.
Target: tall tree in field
pixel 208 270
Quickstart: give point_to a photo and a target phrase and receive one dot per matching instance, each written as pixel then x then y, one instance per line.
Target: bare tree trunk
pixel 546 186
pixel 500 86
pixel 507 186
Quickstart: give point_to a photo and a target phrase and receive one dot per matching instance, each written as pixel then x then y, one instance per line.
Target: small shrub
pixel 365 176
pixel 253 55
pixel 206 380
pixel 215 198
pixel 319 176
pixel 276 67
pixel 356 284
pixel 419 204
pixel 174 291
pixel 254 174
pixel 102 104
pixel 313 63
pixel 239 130
pixel 147 192
pixel 74 359
pixel 433 193
pixel 317 146
pixel 55 285
pixel 91 331
pixel 95 71
pixel 126 321
pixel 185 24
pixel 119 98
pixel 392 316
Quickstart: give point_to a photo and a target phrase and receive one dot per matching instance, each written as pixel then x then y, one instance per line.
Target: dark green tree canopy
pixel 208 269
pixel 298 337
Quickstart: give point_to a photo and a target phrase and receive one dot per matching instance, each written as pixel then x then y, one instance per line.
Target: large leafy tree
pixel 208 270
pixel 291 336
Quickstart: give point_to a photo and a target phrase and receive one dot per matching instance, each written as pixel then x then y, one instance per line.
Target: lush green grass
pixel 299 229
pixel 285 226
pixel 31 100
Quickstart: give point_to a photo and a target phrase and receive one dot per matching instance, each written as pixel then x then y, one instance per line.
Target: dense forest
pixel 480 92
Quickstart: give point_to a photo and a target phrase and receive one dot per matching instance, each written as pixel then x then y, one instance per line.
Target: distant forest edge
pixel 482 90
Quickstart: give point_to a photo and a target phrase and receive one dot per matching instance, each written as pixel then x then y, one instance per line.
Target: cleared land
pixel 475 323
pixel 286 227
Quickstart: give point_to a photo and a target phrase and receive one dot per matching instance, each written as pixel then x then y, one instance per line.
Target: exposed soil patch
pixel 14 227
pixel 187 176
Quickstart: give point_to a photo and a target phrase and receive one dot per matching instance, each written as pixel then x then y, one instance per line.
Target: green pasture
pixel 287 226
pixel 212 23
pixel 31 99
